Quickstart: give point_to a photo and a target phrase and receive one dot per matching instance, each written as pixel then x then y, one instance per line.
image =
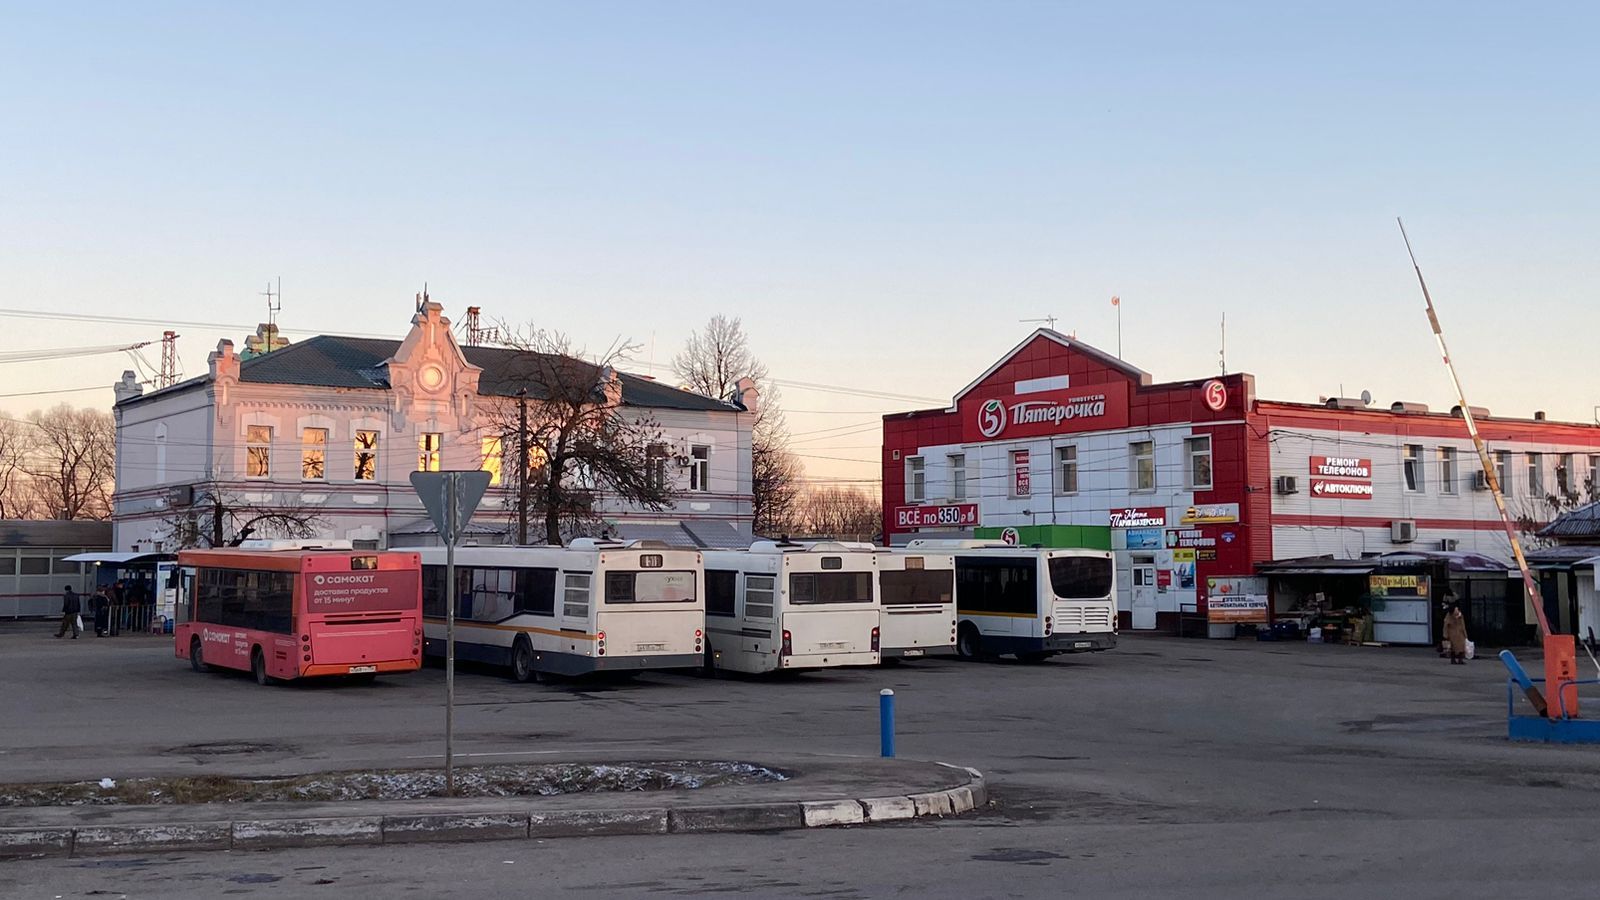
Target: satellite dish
pixel 1366 398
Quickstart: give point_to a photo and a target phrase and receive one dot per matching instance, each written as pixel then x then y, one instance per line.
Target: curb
pixel 314 831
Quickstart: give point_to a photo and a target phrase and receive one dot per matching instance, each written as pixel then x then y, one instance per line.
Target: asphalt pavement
pixel 1166 768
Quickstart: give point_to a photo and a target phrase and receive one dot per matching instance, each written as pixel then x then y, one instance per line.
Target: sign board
pixel 1163 580
pixel 1021 484
pixel 1143 538
pixel 1341 467
pixel 369 590
pixel 1398 585
pixel 1189 537
pixel 1010 537
pixel 1183 556
pixel 1240 600
pixel 1215 395
pixel 1340 489
pixel 1093 407
pixel 1137 517
pixel 1211 513
pixel 956 515
pixel 435 487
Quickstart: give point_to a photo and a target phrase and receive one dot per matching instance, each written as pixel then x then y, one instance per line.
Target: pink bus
pixel 281 611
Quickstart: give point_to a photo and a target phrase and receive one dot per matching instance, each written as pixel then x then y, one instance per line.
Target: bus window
pixel 433 591
pixel 720 588
pixel 536 591
pixel 575 595
pixel 1080 577
pixel 806 588
pixel 758 591
pixel 917 586
pixel 485 595
pixel 649 587
pixel 996 585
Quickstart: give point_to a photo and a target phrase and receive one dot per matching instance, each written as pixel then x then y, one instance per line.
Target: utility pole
pixel 522 466
pixel 1117 302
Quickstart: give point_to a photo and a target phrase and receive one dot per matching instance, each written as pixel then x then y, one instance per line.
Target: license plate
pixel 1082 645
pixel 913 652
pixel 363 670
pixel 833 644
pixel 645 648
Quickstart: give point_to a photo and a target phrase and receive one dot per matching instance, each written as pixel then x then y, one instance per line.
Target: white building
pixel 334 426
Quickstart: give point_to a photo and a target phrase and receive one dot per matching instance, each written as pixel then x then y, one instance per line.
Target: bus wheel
pixel 522 670
pixel 708 668
pixel 258 667
pixel 196 661
pixel 1033 657
pixel 969 644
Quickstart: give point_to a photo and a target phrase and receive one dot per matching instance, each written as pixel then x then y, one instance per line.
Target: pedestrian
pixel 70 607
pixel 1455 634
pixel 118 607
pixel 100 605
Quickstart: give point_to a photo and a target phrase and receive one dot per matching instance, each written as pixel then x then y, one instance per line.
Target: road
pixel 1166 768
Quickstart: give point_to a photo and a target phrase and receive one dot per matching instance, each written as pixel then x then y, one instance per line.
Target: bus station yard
pixel 1165 767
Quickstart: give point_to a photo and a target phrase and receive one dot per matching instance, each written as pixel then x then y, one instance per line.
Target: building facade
pixel 332 427
pixel 1201 480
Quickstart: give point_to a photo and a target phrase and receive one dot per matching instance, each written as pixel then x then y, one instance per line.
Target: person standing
pixel 118 607
pixel 70 608
pixel 100 606
pixel 1455 634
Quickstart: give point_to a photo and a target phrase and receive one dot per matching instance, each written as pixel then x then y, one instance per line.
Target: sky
pixel 882 191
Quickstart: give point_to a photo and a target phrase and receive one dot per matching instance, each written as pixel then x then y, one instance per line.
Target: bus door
pixel 577 609
pixel 757 629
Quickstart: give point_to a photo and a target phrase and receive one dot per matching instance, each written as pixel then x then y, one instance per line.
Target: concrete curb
pixel 313 831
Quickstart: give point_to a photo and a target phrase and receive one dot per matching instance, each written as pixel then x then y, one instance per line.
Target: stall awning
pixel 1291 569
pixel 119 559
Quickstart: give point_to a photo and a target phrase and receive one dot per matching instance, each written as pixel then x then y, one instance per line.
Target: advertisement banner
pixel 1004 416
pixel 1341 467
pixel 1138 517
pixel 958 515
pixel 1021 484
pixel 1237 600
pixel 371 590
pixel 1398 585
pixel 1211 513
pixel 1143 538
pixel 1339 489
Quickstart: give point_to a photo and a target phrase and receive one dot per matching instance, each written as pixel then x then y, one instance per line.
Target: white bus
pixel 594 606
pixel 784 605
pixel 918 595
pixel 1030 602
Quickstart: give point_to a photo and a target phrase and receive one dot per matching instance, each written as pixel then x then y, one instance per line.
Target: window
pixel 1565 482
pixel 721 589
pixel 1066 470
pixel 989 585
pixel 808 588
pixel 1198 452
pixel 575 595
pixel 1413 467
pixel 1142 472
pixel 366 455
pixel 1592 485
pixel 1502 470
pixel 258 451
pixel 656 465
pixel 429 444
pixel 758 595
pixel 1535 463
pixel 958 476
pixel 241 598
pixel 916 480
pixel 36 565
pixel 493 458
pixel 652 586
pixel 1447 470
pixel 1021 481
pixel 915 586
pixel 536 591
pixel 700 468
pixel 1080 577
pixel 313 454
pixel 485 595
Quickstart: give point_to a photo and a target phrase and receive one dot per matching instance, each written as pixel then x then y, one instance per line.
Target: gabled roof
pixel 1139 375
pixel 350 362
pixel 1579 523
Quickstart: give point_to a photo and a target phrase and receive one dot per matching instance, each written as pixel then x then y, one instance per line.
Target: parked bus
pixel 1029 602
pixel 787 605
pixel 594 606
pixel 283 610
pixel 918 594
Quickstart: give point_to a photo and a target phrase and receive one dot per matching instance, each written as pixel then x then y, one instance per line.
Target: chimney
pixel 611 383
pixel 222 361
pixel 129 387
pixel 1538 415
pixel 747 395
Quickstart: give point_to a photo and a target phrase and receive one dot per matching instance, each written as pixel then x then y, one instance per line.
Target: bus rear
pixel 828 612
pixel 1083 604
pixel 918 595
pixel 652 610
pixel 359 614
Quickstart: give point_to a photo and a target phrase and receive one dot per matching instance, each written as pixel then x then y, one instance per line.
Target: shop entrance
pixel 1143 605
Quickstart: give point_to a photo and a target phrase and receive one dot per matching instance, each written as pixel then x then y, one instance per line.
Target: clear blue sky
pixel 881 190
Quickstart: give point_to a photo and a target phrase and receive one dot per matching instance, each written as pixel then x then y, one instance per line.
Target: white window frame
pixel 1135 460
pixel 359 451
pixel 430 454
pixel 700 468
pixel 916 479
pixel 1412 477
pixel 1066 460
pixel 1592 485
pixel 958 477
pixel 1192 456
pixel 1503 470
pixel 1449 471
pixel 251 445
pixel 1533 463
pixel 655 457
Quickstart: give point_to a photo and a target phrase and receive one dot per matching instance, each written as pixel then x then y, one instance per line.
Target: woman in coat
pixel 1455 635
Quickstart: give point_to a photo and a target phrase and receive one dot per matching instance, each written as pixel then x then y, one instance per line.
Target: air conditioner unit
pixel 1480 481
pixel 1287 484
pixel 1448 545
pixel 1403 531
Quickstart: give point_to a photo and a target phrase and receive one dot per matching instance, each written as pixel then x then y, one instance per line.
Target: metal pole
pixel 522 466
pixel 451 515
pixel 886 723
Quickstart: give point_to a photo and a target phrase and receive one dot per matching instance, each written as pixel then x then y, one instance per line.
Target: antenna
pixel 274 302
pixel 1222 355
pixel 422 298
pixel 169 360
pixel 1048 321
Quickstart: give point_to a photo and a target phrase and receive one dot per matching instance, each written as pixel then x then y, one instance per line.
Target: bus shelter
pixel 140 585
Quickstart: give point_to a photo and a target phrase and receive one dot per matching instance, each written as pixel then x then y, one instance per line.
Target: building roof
pixel 1583 522
pixel 351 362
pixel 54 533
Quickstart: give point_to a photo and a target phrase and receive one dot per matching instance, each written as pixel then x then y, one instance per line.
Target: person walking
pixel 1455 634
pixel 100 606
pixel 70 607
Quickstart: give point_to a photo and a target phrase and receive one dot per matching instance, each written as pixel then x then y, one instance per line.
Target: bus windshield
pixel 807 588
pixel 653 586
pixel 917 586
pixel 1080 577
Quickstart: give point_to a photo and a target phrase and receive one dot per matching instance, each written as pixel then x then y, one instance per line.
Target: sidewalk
pixel 821 791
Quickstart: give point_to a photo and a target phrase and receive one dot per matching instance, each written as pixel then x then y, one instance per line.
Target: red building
pixel 1200 480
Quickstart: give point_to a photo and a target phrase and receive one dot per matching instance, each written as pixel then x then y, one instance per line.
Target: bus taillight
pixel 600 643
pixel 874 639
pixel 1049 626
pixel 788 644
pixel 697 635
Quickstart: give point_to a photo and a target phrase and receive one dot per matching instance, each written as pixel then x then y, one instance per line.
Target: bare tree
pixel 221 518
pixel 713 363
pixel 17 500
pixel 569 418
pixel 72 467
pixel 842 513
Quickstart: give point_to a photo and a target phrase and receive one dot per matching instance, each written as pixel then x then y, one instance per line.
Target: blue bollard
pixel 886 722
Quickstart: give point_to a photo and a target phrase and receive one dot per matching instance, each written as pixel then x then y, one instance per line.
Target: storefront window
pixel 1142 471
pixel 1198 450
